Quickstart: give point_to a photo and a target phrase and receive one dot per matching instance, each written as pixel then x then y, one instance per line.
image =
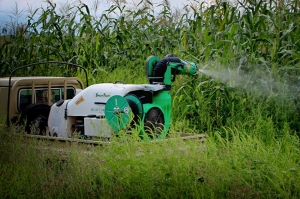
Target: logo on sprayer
pixel 102 95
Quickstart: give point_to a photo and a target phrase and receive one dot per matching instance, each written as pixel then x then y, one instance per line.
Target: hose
pixel 134 109
pixel 161 67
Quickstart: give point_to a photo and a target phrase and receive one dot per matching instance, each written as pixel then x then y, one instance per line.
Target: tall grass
pixel 237 166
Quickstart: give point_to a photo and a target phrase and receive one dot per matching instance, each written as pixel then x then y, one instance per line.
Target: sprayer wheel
pixel 154 122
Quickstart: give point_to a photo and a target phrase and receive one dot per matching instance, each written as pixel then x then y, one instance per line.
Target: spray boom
pixel 166 69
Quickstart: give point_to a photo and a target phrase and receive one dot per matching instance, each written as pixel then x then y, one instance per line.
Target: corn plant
pixel 251 37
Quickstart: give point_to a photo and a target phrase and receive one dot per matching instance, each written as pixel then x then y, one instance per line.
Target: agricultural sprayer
pixel 103 109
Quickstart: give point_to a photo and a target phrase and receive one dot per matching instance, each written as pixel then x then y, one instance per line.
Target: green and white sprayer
pixel 103 109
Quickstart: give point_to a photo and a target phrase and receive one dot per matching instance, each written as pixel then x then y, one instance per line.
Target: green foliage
pixel 236 166
pixel 258 33
pixel 246 99
pixel 257 38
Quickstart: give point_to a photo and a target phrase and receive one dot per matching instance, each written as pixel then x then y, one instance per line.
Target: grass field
pixel 242 166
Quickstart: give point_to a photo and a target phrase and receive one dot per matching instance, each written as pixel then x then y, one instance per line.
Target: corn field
pixel 254 33
pixel 252 38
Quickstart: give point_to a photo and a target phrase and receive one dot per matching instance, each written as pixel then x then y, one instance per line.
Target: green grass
pixel 237 166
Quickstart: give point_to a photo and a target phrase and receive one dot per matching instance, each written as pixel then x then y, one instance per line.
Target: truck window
pixel 70 93
pixel 41 96
pixel 24 98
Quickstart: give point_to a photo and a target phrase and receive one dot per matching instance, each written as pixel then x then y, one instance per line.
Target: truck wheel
pixel 35 118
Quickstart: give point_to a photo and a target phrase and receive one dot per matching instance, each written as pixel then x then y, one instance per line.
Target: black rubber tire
pixel 154 122
pixel 35 118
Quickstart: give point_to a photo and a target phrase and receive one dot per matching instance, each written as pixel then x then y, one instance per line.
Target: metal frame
pixel 36 64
